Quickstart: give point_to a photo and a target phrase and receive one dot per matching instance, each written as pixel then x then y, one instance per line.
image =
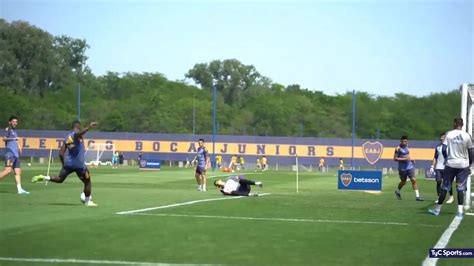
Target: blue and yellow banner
pixel 174 147
pixel 372 154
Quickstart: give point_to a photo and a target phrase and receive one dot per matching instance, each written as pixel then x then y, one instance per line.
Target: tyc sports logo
pixel 346 179
pixel 372 151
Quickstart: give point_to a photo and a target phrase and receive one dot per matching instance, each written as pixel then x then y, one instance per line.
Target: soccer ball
pixel 29 164
pixel 83 197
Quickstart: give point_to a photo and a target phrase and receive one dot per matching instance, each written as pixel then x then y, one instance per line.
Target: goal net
pixel 99 154
pixel 467 114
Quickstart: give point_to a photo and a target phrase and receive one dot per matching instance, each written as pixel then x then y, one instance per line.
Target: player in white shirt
pixel 437 167
pixel 460 155
pixel 237 186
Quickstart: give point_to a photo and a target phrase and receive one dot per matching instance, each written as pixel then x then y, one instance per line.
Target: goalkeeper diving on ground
pixel 237 186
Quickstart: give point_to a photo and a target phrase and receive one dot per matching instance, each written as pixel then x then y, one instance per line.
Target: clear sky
pixel 382 47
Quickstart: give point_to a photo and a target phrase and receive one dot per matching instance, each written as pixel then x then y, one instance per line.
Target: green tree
pixel 231 77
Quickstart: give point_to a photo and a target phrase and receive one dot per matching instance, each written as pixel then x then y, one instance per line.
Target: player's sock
pixel 204 188
pixel 87 199
pixel 47 178
pixel 417 193
pixel 90 203
pixel 442 196
pixel 461 197
pixel 460 209
pixel 450 199
pixel 438 207
pixel 397 194
pixel 21 191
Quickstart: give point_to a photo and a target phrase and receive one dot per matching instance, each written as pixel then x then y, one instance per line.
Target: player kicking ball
pixel 73 162
pixel 237 186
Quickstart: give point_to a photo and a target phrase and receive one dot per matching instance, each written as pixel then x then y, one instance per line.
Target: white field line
pixel 83 261
pixel 183 203
pixel 443 241
pixel 276 219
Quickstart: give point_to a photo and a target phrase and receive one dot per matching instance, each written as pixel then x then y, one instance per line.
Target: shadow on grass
pixel 64 204
pixel 7 192
pixel 427 205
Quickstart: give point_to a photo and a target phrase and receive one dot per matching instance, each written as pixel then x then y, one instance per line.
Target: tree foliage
pixel 39 75
pixel 35 62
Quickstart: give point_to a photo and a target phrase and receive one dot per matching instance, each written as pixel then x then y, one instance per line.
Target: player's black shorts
pixel 245 188
pixel 439 175
pixel 460 174
pixel 404 174
pixel 200 170
pixel 82 173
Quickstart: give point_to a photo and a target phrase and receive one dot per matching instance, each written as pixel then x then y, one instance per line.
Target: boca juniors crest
pixel 346 179
pixel 372 151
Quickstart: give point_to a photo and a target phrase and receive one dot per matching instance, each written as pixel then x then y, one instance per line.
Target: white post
pixel 466 115
pixel 467 197
pixel 469 119
pixel 297 175
pixel 464 104
pixel 113 153
pixel 49 162
pixel 98 156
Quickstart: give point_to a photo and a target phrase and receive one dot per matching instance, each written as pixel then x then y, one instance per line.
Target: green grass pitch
pixel 319 226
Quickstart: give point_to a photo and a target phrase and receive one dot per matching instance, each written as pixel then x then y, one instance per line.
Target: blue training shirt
pixel 75 151
pixel 11 146
pixel 401 153
pixel 201 157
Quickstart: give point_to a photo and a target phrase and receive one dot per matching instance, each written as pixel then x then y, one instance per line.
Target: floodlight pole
pixel 353 128
pixel 194 114
pixel 213 158
pixel 79 101
pixel 297 174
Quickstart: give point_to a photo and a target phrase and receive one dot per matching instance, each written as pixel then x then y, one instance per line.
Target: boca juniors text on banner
pixel 149 164
pixel 359 180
